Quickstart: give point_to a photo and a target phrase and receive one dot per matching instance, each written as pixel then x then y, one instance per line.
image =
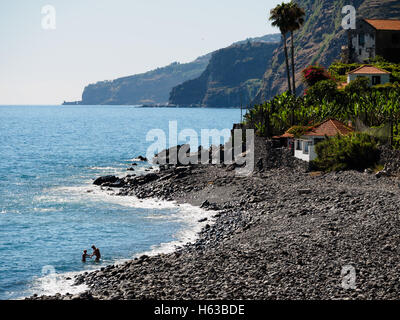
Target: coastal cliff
pixel 320 40
pixel 153 87
pixel 231 79
pixel 221 82
pixel 147 88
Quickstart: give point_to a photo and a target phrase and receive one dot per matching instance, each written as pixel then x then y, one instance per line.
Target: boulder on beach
pixel 117 184
pixel 174 155
pixel 141 158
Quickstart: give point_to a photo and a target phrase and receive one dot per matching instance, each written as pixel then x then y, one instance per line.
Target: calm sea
pixel 49 209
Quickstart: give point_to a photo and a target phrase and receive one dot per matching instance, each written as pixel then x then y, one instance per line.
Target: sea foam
pixel 186 214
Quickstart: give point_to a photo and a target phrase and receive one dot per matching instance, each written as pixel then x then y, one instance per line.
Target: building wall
pixel 385 78
pixel 300 155
pixel 388 45
pixel 311 155
pixel 366 50
pixel 384 43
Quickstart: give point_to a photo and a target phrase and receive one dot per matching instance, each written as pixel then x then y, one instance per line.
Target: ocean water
pixel 49 209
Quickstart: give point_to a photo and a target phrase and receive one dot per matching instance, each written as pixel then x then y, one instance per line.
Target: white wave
pixel 186 214
pixel 117 171
pixel 135 160
pixel 103 168
pixel 123 172
pixel 189 216
pixel 92 193
pixel 63 283
pixel 52 284
pixel 9 211
pixel 46 209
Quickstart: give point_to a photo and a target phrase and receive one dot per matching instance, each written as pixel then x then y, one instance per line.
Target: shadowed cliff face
pixel 232 78
pixel 320 40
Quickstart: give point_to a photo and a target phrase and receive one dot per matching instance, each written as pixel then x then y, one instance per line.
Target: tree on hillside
pixel 280 18
pixel 296 20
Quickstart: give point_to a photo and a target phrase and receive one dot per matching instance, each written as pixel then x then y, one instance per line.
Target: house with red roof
pixel 374 37
pixel 374 74
pixel 304 145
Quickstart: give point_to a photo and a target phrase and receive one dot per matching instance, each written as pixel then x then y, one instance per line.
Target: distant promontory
pixel 154 87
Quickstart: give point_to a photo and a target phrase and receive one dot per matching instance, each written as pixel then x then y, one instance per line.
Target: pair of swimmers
pixel 96 253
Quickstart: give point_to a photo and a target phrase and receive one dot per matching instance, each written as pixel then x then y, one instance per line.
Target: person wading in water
pixel 96 252
pixel 85 255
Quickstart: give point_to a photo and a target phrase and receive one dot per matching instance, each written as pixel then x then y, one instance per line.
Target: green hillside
pixel 232 78
pixel 320 40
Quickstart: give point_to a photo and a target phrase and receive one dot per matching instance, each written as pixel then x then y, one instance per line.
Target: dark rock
pixel 304 191
pixel 205 204
pixel 259 164
pixel 117 184
pixel 173 156
pixel 105 179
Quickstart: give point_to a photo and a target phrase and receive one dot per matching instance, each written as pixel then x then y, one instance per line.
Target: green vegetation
pixel 323 90
pixel 378 167
pixel 354 151
pixel 232 78
pixel 296 20
pixel 146 88
pixel 376 109
pixel 288 17
pixel 280 18
pixel 339 70
pixel 321 37
pixel 359 85
pixel 298 131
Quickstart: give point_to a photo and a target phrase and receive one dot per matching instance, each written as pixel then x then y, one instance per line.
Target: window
pixel 306 147
pixel 396 38
pixel 360 52
pixel 376 80
pixel 361 39
pixel 298 145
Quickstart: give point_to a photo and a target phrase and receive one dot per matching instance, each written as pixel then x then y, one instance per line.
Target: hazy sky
pixel 98 40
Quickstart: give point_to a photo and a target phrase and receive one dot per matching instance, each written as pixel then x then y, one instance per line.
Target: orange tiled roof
pixel 330 128
pixel 285 135
pixel 393 25
pixel 368 69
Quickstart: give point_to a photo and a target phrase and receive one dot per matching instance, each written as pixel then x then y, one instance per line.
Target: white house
pixel 374 74
pixel 304 146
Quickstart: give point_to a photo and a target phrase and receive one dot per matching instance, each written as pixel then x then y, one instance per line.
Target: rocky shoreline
pixel 281 233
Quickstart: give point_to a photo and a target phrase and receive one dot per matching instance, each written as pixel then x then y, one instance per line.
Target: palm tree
pixel 280 18
pixel 296 20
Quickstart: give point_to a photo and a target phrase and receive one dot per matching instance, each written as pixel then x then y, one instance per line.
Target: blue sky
pixel 105 39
